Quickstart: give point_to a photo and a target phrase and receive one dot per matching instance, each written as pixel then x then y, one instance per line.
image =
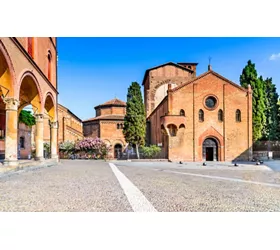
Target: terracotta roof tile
pixel 106 117
pixel 114 101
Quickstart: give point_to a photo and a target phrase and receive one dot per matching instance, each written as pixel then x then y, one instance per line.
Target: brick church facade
pixel 204 118
pixel 108 125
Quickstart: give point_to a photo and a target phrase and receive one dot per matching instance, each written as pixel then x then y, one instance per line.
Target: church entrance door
pixel 210 150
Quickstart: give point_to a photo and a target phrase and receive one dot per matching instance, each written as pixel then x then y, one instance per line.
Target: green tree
pixel 249 76
pixel 134 121
pixel 271 131
pixel 27 118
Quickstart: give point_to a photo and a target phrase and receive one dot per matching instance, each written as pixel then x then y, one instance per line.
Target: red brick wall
pixel 234 138
pixel 91 129
pixel 41 47
pixel 109 131
pixel 158 77
pixel 25 132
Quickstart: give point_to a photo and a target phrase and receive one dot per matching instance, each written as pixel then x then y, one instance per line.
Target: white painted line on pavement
pixel 137 200
pixel 222 178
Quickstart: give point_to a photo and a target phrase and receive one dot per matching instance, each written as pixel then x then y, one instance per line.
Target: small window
pixel 238 115
pixel 21 142
pixel 30 46
pixel 220 115
pixel 118 126
pixel 182 126
pixel 201 115
pixel 182 112
pixel 189 67
pixel 49 65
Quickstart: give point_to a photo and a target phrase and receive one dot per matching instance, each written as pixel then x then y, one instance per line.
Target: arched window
pixel 238 115
pixel 182 112
pixel 118 126
pixel 220 115
pixel 172 129
pixel 49 65
pixel 30 46
pixel 182 126
pixel 21 142
pixel 201 115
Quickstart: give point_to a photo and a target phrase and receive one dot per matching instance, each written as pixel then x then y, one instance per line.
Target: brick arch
pixel 214 134
pixel 211 133
pixel 25 73
pixel 9 62
pixel 118 141
pixel 163 82
pixel 49 94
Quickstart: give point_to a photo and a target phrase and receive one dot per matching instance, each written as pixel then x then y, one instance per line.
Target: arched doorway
pixel 210 150
pixel 117 151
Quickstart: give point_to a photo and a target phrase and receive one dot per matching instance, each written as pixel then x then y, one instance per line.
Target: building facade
pixel 204 118
pixel 28 77
pixel 24 141
pixel 108 125
pixel 70 125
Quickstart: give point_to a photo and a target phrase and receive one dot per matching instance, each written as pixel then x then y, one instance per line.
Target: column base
pixel 11 163
pixel 55 157
pixel 39 158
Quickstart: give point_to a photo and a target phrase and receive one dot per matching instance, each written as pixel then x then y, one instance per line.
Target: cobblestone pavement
pixel 95 186
pixel 71 186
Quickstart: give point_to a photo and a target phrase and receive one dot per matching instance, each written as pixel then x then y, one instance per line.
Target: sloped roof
pixel 205 74
pixel 113 102
pixel 69 111
pixel 169 63
pixel 106 117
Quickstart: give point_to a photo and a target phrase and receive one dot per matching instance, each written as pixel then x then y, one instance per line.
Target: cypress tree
pixel 134 121
pixel 249 76
pixel 271 131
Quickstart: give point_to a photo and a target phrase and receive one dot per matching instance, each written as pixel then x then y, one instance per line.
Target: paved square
pixel 85 185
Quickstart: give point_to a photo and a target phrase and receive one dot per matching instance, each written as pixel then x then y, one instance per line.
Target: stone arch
pixel 8 81
pixel 29 92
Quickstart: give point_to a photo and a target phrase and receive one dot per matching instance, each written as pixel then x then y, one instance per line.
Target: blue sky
pixel 92 71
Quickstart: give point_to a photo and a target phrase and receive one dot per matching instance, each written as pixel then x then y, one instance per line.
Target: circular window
pixel 210 102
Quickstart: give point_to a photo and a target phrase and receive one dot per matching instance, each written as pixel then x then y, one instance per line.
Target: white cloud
pixel 274 57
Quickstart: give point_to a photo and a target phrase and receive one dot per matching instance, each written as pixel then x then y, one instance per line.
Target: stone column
pixel 39 137
pixel 54 128
pixel 11 142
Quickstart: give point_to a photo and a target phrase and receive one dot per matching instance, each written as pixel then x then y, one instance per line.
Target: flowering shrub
pixel 67 147
pixel 93 146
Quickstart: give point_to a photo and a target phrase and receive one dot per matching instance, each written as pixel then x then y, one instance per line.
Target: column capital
pixel 54 124
pixel 11 103
pixel 39 117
